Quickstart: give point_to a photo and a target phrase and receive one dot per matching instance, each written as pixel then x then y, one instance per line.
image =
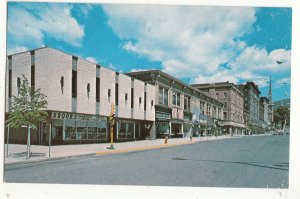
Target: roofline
pixel 219 85
pixel 181 82
pixel 28 51
pixel 77 57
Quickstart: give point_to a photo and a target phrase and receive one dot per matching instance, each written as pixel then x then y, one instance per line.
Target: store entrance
pixel 57 135
pixel 176 130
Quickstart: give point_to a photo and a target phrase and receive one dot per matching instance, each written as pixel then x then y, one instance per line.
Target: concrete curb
pixel 46 160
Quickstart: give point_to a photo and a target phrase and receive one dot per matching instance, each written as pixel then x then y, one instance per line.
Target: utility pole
pixel 112 122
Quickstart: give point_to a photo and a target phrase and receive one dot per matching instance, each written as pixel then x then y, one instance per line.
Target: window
pixel 132 97
pixel 32 58
pixel 117 94
pixel 187 103
pixel 163 96
pixel 74 63
pixel 32 81
pixel 207 109
pixel 74 83
pixel 214 111
pixel 9 82
pixel 225 95
pixel 225 115
pixel 217 95
pixel 202 107
pixel 18 84
pixel 97 89
pixel 160 95
pixel 225 104
pixel 176 99
pixel 145 98
pixel 9 61
pixel 166 96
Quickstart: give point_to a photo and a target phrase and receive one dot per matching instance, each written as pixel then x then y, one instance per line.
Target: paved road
pixel 255 161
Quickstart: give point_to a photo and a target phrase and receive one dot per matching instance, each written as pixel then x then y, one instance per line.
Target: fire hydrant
pixel 166 140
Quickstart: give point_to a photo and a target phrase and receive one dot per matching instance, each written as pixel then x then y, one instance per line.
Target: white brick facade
pixel 51 65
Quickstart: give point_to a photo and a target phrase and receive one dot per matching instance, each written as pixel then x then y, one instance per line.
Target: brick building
pixel 180 109
pixel 251 105
pixel 264 113
pixel 232 98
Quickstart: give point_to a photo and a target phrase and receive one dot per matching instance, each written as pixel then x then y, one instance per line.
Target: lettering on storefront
pixel 76 116
pixel 163 115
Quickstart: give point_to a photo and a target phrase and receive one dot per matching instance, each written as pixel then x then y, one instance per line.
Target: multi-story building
pixel 80 95
pixel 251 104
pixel 264 113
pixel 180 109
pixel 232 98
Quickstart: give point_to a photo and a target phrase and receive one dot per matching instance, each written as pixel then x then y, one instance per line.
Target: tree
pixel 27 109
pixel 282 116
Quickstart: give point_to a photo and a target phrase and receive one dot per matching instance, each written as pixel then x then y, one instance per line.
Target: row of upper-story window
pixel 235 101
pixel 74 84
pixel 163 98
pixel 234 117
pixel 211 110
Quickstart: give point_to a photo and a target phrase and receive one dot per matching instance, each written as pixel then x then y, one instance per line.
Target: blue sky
pixel 196 44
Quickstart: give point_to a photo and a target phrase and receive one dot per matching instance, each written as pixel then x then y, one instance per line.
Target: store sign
pixel 202 118
pixel 163 115
pixel 76 116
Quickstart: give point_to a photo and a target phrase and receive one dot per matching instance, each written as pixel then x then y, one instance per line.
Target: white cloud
pixel 281 82
pixel 111 66
pixel 256 59
pixel 193 41
pixel 91 59
pixel 26 25
pixel 141 69
pixel 16 49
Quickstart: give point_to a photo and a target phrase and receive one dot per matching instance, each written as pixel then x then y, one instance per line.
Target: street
pixel 249 161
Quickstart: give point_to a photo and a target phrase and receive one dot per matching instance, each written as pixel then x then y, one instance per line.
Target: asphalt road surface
pixel 251 162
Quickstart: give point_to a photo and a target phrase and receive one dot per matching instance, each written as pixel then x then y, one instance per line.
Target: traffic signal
pixel 112 117
pixel 112 114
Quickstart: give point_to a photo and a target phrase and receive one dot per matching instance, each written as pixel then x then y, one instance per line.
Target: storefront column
pixel 170 128
pixel 134 130
pixel 63 134
pixel 117 130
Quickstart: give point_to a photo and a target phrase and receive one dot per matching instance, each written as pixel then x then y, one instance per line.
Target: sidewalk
pixel 41 153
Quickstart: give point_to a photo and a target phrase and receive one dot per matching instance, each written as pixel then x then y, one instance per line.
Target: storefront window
pixel 72 129
pixel 122 130
pixel 101 130
pixel 130 130
pixel 163 127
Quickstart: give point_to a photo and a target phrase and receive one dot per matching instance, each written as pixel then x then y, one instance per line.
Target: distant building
pixel 251 104
pixel 270 105
pixel 180 109
pixel 233 111
pixel 264 112
pixel 79 95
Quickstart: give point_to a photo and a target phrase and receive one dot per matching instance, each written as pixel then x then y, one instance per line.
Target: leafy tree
pixel 27 109
pixel 282 116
